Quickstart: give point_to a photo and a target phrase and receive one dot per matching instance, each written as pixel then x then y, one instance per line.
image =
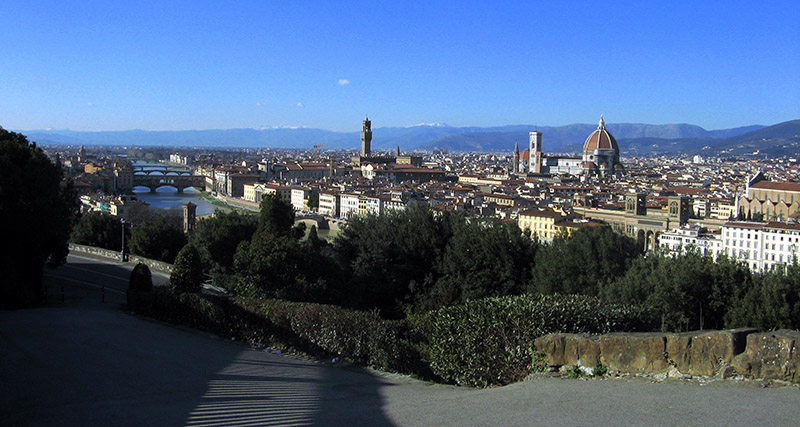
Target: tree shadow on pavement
pixel 69 365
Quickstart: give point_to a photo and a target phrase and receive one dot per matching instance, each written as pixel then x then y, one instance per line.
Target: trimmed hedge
pixel 321 330
pixel 480 343
pixel 490 341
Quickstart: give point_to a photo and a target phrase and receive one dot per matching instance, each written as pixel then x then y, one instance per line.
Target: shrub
pixel 575 372
pixel 600 370
pixel 141 279
pixel 187 272
pixel 479 343
pixel 488 341
pixel 334 329
pixel 392 348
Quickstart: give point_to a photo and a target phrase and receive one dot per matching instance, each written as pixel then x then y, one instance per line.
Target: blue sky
pixel 172 65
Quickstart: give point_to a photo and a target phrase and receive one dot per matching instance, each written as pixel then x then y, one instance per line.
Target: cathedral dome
pixel 600 139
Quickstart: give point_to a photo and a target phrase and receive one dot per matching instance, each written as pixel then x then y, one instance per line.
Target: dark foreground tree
pixel 36 215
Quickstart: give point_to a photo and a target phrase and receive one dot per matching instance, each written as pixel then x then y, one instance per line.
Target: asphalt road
pixel 86 277
pixel 83 362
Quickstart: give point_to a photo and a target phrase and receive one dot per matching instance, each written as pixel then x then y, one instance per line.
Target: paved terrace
pixel 83 362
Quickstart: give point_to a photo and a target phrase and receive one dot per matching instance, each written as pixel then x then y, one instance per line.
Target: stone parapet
pixel 745 352
pixel 107 253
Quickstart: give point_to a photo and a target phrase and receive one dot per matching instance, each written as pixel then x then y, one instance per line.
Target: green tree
pixel 389 260
pixel 273 267
pixel 689 291
pixel 156 239
pixel 277 216
pixel 98 229
pixel 187 272
pixel 313 200
pixel 216 238
pixel 482 259
pixel 581 262
pixel 771 301
pixel 36 216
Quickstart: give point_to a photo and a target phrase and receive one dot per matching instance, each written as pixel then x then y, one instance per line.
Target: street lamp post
pixel 122 250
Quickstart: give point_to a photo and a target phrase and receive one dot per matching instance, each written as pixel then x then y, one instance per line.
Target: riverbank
pixel 228 204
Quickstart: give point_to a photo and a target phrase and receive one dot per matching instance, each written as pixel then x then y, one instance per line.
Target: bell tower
pixel 366 137
pixel 535 152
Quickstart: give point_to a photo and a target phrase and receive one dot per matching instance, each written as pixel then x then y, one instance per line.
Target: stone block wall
pixel 107 253
pixel 745 352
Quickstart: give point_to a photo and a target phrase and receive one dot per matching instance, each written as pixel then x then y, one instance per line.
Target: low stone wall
pixel 745 352
pixel 107 253
pixel 153 264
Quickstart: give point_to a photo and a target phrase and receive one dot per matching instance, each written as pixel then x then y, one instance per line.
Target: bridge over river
pixel 154 176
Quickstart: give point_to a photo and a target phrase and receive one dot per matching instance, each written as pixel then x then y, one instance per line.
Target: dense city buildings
pixel 713 204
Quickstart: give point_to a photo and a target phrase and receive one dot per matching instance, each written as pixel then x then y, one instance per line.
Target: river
pixel 168 197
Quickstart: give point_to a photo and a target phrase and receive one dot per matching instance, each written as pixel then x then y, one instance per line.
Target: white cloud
pixel 300 104
pixel 91 104
pixel 259 104
pixel 344 82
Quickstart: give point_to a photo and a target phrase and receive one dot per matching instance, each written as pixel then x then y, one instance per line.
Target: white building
pixel 761 245
pixel 299 198
pixel 329 203
pixel 692 237
pixel 348 205
pixel 370 205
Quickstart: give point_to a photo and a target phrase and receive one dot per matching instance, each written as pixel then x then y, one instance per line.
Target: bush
pixel 575 372
pixel 322 330
pixel 479 343
pixel 187 272
pixel 600 370
pixel 336 330
pixel 392 348
pixel 141 279
pixel 489 341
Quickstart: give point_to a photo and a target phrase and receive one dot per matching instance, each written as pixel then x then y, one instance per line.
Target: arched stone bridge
pixel 150 169
pixel 180 182
pixel 154 176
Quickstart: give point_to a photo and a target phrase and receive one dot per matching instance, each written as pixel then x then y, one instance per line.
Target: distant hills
pixel 782 139
pixel 634 138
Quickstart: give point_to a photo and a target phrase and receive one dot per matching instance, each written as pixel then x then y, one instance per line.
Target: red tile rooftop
pixel 783 186
pixel 771 224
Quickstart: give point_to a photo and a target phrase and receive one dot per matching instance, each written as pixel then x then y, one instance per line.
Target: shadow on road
pixel 82 362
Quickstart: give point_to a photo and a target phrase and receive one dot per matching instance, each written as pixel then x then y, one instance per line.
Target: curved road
pixel 84 277
pixel 83 362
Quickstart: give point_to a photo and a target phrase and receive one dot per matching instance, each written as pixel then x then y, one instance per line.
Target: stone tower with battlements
pixel 366 137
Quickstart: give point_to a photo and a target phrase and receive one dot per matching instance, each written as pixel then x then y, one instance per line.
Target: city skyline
pixel 180 66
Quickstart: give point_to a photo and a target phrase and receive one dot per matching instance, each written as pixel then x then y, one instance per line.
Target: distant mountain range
pixel 634 138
